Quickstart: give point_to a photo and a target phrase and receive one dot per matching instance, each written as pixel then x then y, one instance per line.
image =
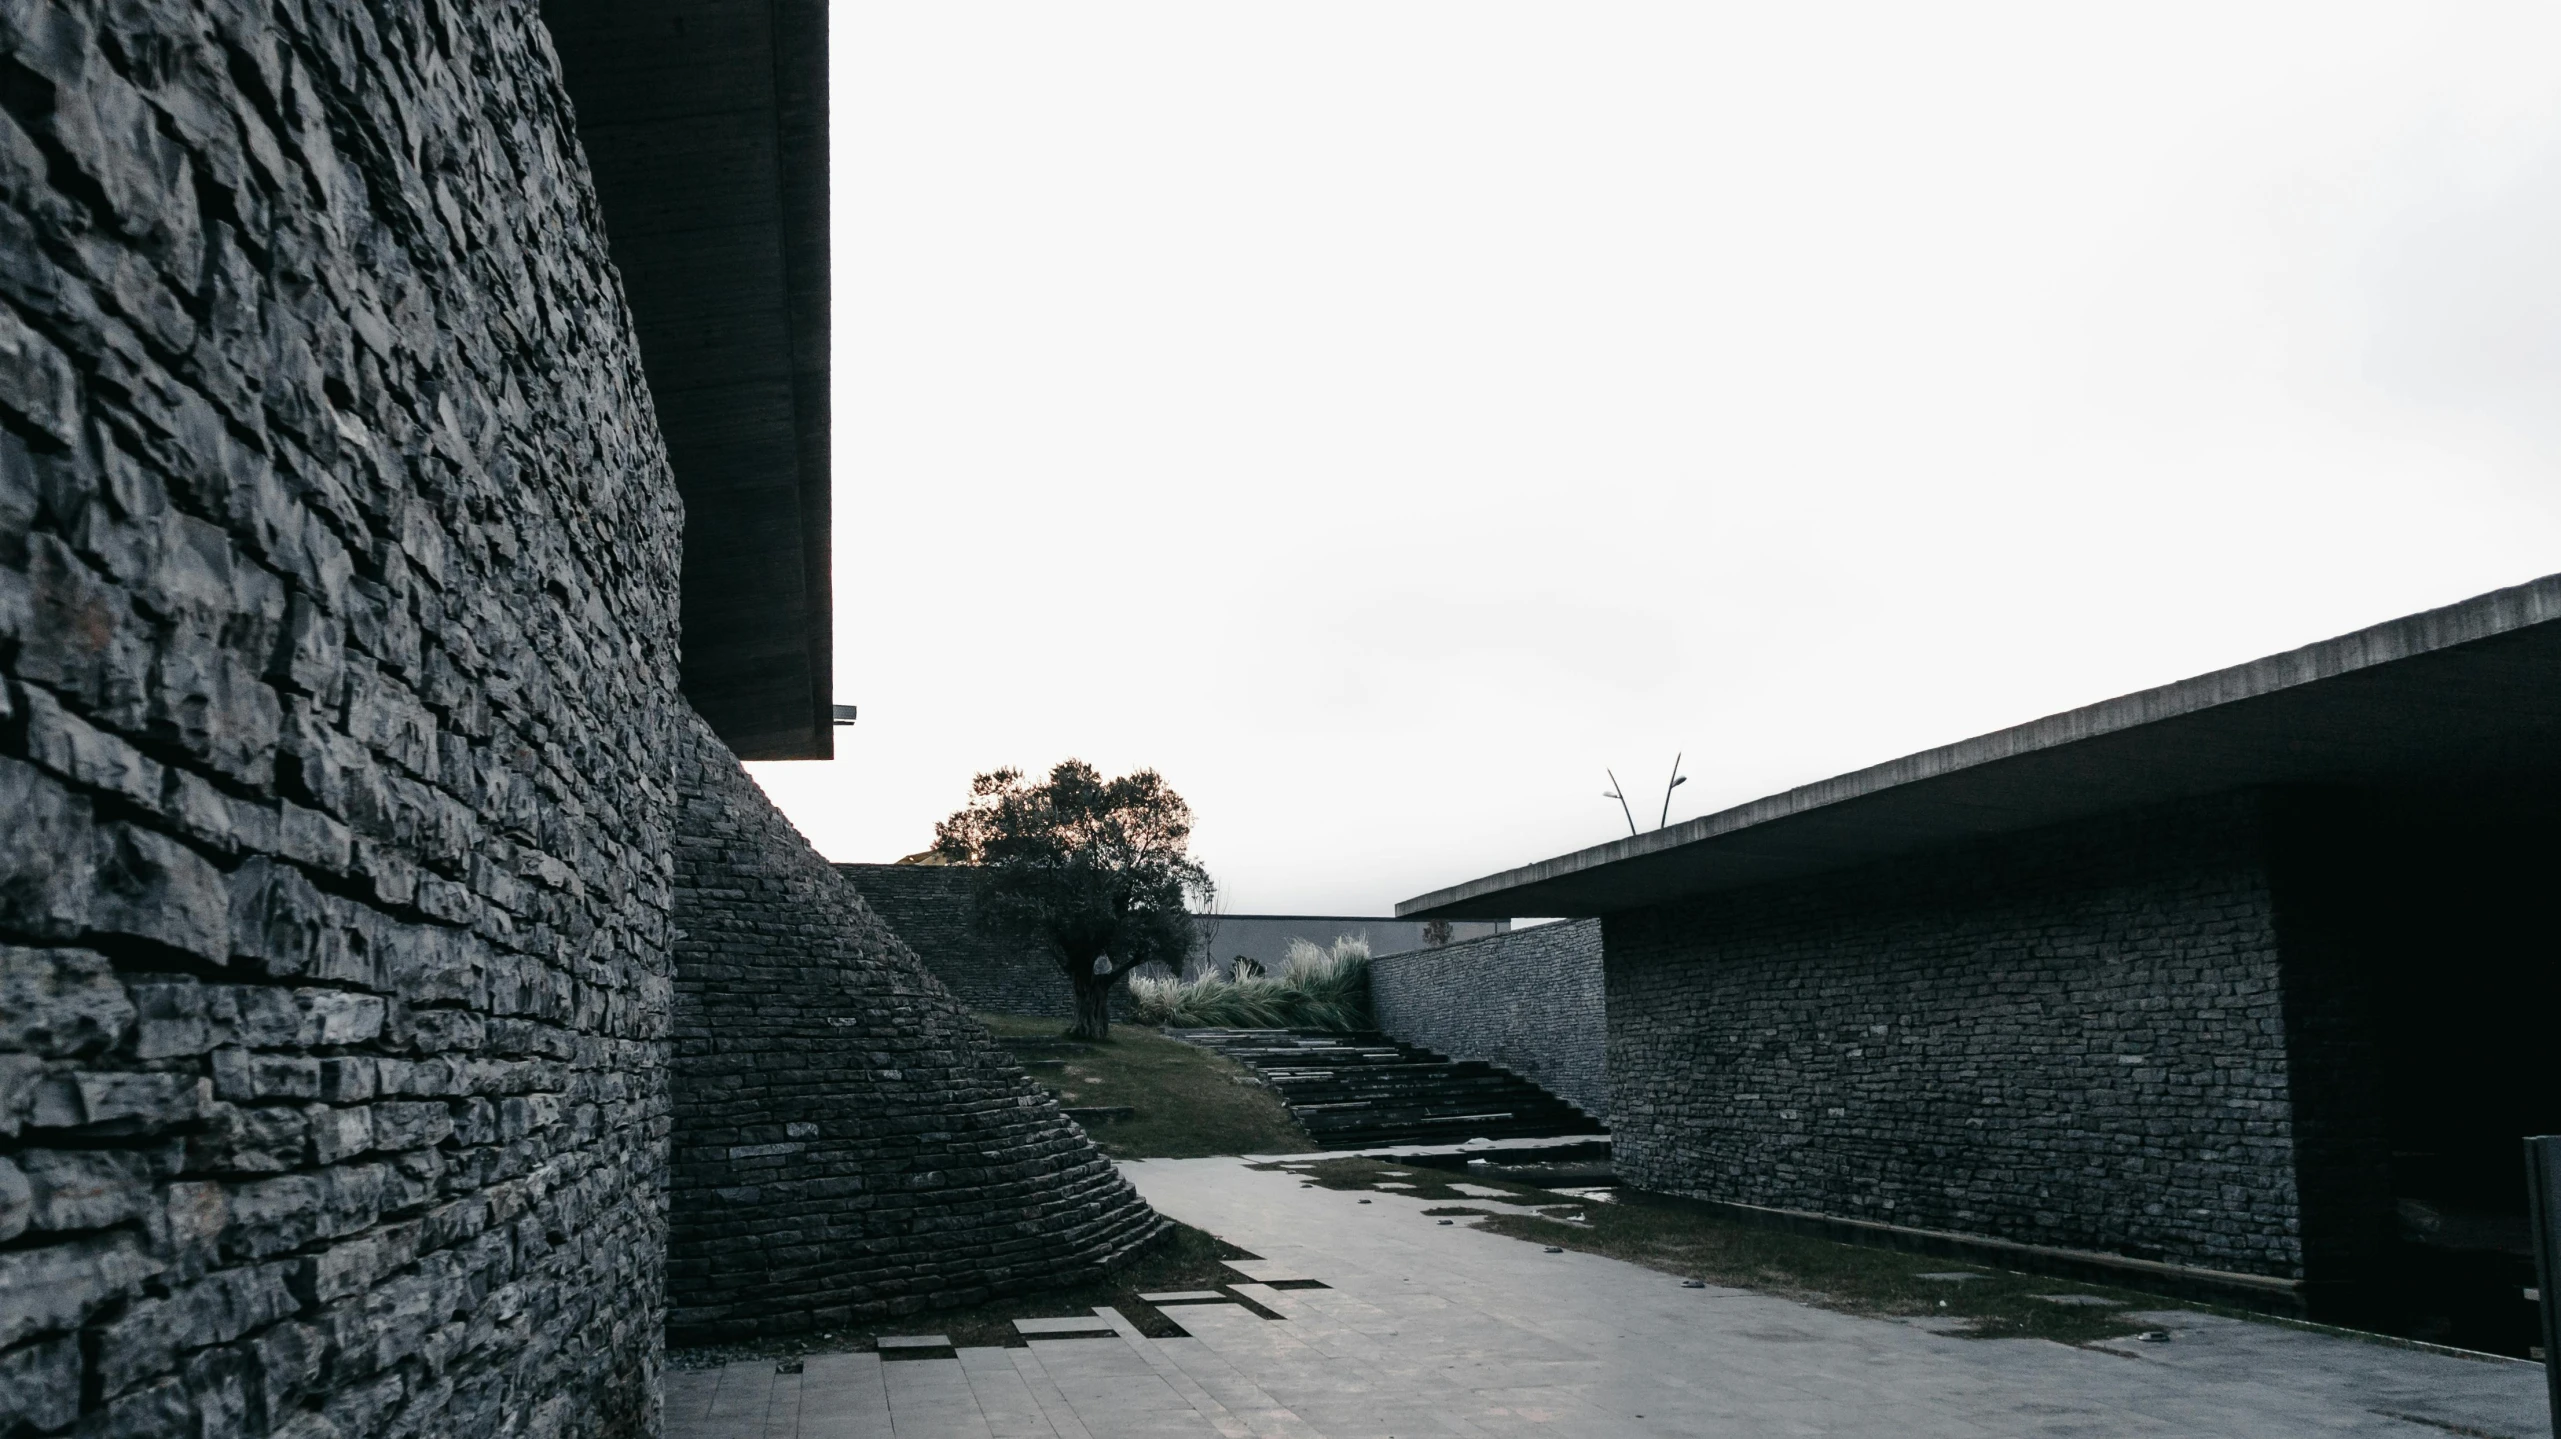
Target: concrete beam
pixel 705 127
pixel 2468 695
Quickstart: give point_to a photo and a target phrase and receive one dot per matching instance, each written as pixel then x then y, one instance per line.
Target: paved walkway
pixel 1439 1331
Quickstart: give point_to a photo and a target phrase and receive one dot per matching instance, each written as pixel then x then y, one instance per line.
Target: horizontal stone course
pixel 1529 1000
pixel 2072 1038
pixel 934 908
pixel 338 638
pixel 848 1143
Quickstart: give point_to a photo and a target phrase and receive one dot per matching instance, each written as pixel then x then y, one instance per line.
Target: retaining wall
pixel 933 908
pixel 1530 1000
pixel 338 638
pixel 2076 1038
pixel 849 1143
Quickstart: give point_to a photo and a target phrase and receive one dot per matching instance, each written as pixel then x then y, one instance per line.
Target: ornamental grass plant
pixel 1315 988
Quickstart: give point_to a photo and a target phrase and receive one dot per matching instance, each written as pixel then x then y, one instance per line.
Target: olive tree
pixel 1094 872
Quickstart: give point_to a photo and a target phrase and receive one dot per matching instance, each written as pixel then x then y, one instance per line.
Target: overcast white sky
pixel 1382 416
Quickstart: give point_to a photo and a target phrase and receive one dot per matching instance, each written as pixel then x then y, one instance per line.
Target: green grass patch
pixel 1186 1102
pixel 1684 1238
pixel 1181 1258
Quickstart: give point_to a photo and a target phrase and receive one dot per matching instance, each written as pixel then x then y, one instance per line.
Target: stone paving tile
pixel 1202 1402
pixel 733 1407
pixel 782 1407
pixel 1431 1333
pixel 1005 1398
pixel 932 1399
pixel 1263 1415
pixel 1053 1405
pixel 1112 1388
pixel 689 1394
pixel 1059 1326
pixel 842 1396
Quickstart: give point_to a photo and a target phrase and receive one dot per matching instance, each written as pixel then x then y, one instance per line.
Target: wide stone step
pixel 1352 1091
pixel 1450 1084
pixel 1344 1115
pixel 1419 1085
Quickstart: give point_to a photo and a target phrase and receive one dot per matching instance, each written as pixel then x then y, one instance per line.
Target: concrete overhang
pixel 2465 695
pixel 705 125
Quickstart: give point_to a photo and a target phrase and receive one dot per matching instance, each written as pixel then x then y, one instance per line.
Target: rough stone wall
pixel 849 1144
pixel 931 907
pixel 338 635
pixel 2074 1037
pixel 1530 1001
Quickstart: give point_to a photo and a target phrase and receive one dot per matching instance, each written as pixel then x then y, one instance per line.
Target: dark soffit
pixel 2465 695
pixel 705 125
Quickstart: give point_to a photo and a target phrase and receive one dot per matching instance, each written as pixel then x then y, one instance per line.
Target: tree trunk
pixel 1093 1003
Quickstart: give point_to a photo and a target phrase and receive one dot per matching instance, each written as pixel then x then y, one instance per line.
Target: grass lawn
pixel 1676 1236
pixel 1187 1102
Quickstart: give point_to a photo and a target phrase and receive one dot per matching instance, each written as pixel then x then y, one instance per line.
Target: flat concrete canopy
pixel 705 124
pixel 2466 696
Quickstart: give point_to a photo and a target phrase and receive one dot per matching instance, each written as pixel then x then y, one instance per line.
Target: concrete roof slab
pixel 2467 694
pixel 704 123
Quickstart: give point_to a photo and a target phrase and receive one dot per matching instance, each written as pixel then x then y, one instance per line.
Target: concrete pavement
pixel 1432 1330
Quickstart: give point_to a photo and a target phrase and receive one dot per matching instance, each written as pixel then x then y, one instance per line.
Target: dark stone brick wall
pixel 1530 1001
pixel 338 636
pixel 2076 1037
pixel 932 907
pixel 849 1143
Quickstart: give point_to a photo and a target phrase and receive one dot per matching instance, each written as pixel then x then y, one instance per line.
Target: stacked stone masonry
pixel 338 644
pixel 933 908
pixel 2074 1038
pixel 849 1144
pixel 1530 1001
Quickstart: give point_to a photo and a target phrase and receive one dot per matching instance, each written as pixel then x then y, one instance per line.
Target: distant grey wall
pixel 932 908
pixel 1529 1000
pixel 1264 938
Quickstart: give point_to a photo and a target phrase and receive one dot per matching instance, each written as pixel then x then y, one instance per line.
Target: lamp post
pixel 1613 793
pixel 1618 792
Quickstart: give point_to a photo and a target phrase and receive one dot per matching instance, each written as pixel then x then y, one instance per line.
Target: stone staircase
pixel 1363 1090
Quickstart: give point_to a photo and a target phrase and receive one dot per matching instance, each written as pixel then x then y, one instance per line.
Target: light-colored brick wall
pixel 1529 1000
